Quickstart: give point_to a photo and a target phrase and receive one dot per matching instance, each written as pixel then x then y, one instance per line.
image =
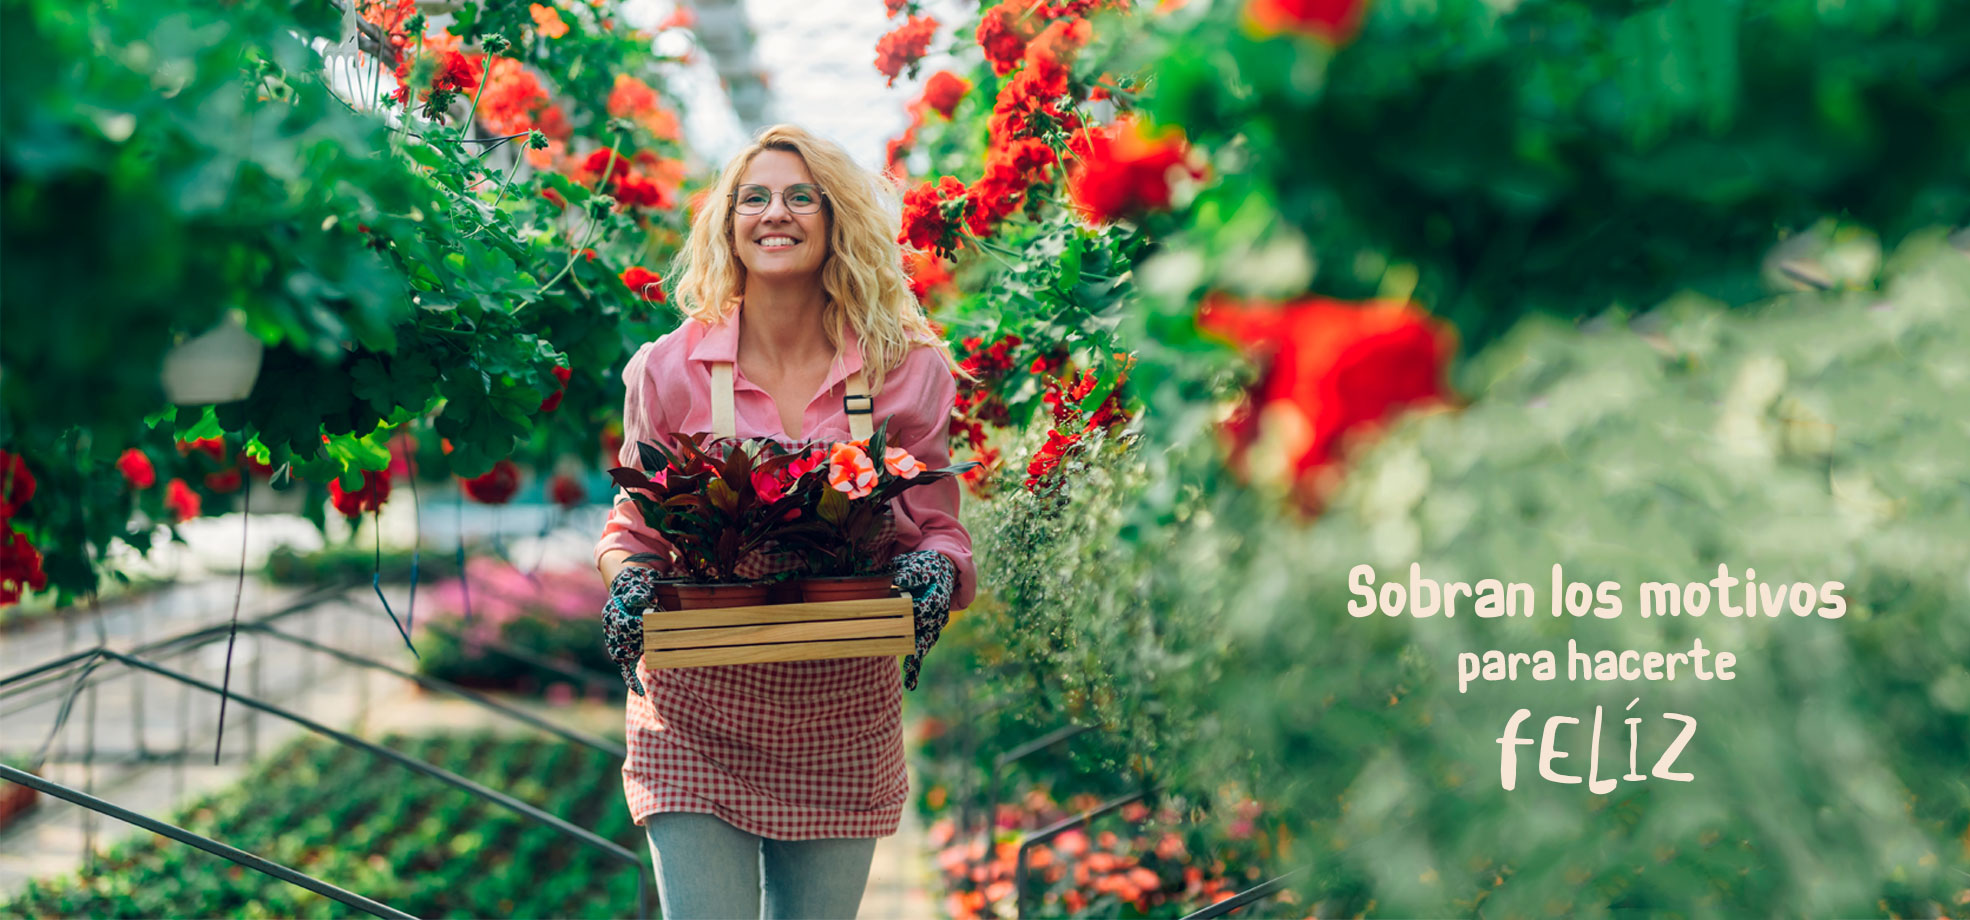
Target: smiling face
pixel 778 244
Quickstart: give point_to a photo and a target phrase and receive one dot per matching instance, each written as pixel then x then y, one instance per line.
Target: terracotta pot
pixel 783 592
pixel 713 596
pixel 846 588
pixel 667 595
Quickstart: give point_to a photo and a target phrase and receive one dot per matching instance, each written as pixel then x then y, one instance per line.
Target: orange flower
pixel 850 471
pixel 900 463
pixel 547 20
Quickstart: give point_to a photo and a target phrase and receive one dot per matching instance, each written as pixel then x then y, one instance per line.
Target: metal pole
pixel 92 805
pixel 89 778
pixel 419 766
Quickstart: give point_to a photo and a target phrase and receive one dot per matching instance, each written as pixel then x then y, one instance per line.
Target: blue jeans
pixel 709 870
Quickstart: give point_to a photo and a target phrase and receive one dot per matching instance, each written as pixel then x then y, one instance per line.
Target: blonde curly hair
pixel 863 275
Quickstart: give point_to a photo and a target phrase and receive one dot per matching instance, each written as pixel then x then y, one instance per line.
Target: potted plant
pixel 725 509
pixel 851 540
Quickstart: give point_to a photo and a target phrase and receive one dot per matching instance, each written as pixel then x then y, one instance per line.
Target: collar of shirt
pixel 721 343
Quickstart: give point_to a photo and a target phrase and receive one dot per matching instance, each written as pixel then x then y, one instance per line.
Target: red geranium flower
pixel 925 221
pixel 553 402
pixel 1124 169
pixel 1003 32
pixel 181 500
pixel 944 90
pixel 927 274
pixel 211 447
pixel 1330 370
pixel 16 483
pixel 375 490
pixel 20 566
pixel 905 46
pixel 496 486
pixel 646 283
pixel 566 491
pixel 136 468
pixel 1335 21
pixel 224 481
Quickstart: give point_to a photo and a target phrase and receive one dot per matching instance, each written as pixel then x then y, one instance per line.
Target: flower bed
pixel 370 827
pixel 552 613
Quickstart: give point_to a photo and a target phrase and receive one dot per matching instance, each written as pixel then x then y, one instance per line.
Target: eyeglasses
pixel 755 199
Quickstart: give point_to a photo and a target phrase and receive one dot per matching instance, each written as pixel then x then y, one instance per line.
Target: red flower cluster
pixel 633 99
pixel 944 90
pixel 905 46
pixel 1148 867
pixel 20 566
pixel 894 8
pixel 391 16
pixel 455 73
pixel 931 213
pixel 566 491
pixel 1333 21
pixel 20 562
pixel 515 101
pixel 553 401
pixel 16 484
pixel 1003 32
pixel 655 186
pixel 374 492
pixel 979 402
pixel 496 487
pixel 1125 168
pixel 901 145
pixel 927 275
pixel 211 447
pixel 1012 167
pixel 1330 371
pixel 1031 98
pixel 646 283
pixel 183 503
pixel 1071 424
pixel 137 470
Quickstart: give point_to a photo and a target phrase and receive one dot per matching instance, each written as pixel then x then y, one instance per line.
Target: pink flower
pixel 900 463
pixel 770 487
pixel 851 471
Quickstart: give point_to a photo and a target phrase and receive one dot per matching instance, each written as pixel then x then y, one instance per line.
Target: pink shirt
pixel 669 390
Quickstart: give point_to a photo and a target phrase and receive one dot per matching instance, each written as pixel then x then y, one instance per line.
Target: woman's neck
pixel 784 324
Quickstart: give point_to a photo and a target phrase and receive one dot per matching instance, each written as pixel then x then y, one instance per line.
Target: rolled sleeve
pixel 927 516
pixel 642 420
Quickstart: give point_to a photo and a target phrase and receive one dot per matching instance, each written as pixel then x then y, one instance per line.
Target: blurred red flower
pixel 496 487
pixel 566 491
pixel 224 481
pixel 927 273
pixel 1125 168
pixel 1335 21
pixel 181 500
pixel 905 46
pixel 137 470
pixel 553 401
pixel 646 283
pixel 375 490
pixel 20 566
pixel 1330 370
pixel 944 90
pixel 16 483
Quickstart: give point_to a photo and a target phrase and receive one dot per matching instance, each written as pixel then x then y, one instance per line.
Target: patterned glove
pixel 633 589
pixel 930 577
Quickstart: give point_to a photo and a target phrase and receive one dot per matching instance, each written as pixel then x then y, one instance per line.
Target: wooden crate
pixel 779 632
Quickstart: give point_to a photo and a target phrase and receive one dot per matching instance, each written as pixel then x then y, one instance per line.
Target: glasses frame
pixel 781 194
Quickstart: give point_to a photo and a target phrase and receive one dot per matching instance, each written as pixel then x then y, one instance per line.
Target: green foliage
pixel 168 167
pixel 1814 438
pixel 373 828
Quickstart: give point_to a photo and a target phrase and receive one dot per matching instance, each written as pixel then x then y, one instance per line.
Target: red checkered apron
pixel 794 750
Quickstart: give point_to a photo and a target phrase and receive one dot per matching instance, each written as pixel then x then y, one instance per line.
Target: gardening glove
pixel 930 577
pixel 634 588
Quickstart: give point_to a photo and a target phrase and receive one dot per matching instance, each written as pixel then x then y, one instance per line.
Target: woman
pixel 764 786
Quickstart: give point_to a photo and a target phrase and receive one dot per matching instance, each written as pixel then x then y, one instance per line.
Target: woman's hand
pixel 631 591
pixel 929 576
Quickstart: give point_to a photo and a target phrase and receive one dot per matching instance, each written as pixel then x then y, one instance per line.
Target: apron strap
pixel 860 408
pixel 855 401
pixel 724 423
